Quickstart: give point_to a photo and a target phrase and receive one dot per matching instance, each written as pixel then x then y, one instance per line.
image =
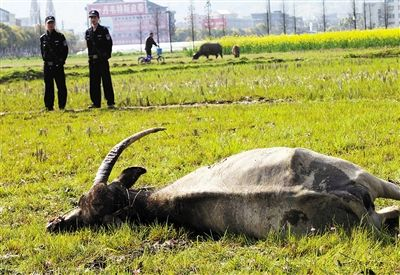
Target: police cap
pixel 49 19
pixel 94 13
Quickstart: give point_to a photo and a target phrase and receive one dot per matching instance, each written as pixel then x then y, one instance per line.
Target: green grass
pixel 289 77
pixel 345 107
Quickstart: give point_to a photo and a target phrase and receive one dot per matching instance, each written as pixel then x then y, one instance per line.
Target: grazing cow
pixel 236 51
pixel 251 193
pixel 208 49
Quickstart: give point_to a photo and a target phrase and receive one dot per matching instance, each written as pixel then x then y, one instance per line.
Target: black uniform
pixel 149 43
pixel 54 50
pixel 99 45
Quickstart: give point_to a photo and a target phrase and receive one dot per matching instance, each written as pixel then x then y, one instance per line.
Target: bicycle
pixel 147 59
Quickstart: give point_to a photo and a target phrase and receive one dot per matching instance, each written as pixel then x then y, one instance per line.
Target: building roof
pixel 152 5
pixel 4 11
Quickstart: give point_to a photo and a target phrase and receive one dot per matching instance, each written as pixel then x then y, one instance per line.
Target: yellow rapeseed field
pixel 327 40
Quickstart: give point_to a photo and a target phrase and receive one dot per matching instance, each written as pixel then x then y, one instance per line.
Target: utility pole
pixel 354 15
pixel 283 17
pixel 169 31
pixel 365 15
pixel 370 19
pixel 208 8
pixel 140 33
pixel 40 23
pixel 267 16
pixel 294 18
pixel 223 26
pixel 157 19
pixel 386 14
pixel 323 15
pixel 191 19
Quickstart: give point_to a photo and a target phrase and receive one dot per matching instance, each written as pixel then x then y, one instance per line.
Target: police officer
pixel 54 50
pixel 149 44
pixel 99 45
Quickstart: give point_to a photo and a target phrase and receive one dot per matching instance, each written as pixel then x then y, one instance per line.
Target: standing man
pixel 54 51
pixel 99 45
pixel 149 44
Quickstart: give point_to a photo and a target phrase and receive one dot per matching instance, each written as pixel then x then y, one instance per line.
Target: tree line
pixel 24 41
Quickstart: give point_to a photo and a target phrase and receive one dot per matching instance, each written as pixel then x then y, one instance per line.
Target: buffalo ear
pixel 130 175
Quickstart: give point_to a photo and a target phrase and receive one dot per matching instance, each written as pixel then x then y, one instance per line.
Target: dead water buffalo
pixel 236 51
pixel 208 49
pixel 251 193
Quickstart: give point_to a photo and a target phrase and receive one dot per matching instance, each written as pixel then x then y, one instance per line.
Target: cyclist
pixel 149 44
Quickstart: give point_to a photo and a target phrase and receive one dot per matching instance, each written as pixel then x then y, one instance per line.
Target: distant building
pixel 7 17
pixel 224 20
pixel 24 22
pixel 377 17
pixel 393 13
pixel 197 22
pixel 131 22
pixel 331 20
pixel 293 26
pixel 239 23
pixel 316 24
pixel 276 22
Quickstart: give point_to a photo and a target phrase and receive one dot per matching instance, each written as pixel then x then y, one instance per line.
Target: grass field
pixel 343 103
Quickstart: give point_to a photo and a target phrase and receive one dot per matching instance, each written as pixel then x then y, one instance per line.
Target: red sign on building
pixel 215 23
pixel 119 9
pixel 130 22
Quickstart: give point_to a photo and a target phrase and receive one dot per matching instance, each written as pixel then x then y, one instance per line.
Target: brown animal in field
pixel 236 51
pixel 252 193
pixel 208 49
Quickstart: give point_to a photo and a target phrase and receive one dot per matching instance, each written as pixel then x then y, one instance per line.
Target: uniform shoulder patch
pixel 65 43
pixel 108 36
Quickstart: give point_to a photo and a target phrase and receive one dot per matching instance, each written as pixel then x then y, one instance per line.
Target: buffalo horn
pixel 108 163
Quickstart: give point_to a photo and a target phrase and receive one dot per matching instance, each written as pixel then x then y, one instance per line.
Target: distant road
pixel 176 46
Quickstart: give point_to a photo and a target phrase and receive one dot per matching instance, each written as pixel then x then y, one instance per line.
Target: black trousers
pixel 51 74
pixel 148 51
pixel 99 71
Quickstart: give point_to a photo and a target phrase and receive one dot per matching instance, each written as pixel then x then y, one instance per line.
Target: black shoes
pixel 93 106
pixel 111 106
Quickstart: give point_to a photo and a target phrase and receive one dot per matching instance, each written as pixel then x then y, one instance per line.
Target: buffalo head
pixel 102 204
pixel 196 56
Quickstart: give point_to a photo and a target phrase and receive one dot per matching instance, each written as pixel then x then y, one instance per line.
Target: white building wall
pixel 393 13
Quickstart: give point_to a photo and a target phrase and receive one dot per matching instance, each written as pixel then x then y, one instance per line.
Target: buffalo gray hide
pixel 251 193
pixel 208 49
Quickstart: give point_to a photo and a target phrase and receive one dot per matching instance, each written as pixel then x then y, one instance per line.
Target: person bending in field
pixel 54 49
pixel 149 44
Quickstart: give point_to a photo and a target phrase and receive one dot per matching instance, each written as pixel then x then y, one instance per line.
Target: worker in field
pixel 99 43
pixel 54 49
pixel 149 44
